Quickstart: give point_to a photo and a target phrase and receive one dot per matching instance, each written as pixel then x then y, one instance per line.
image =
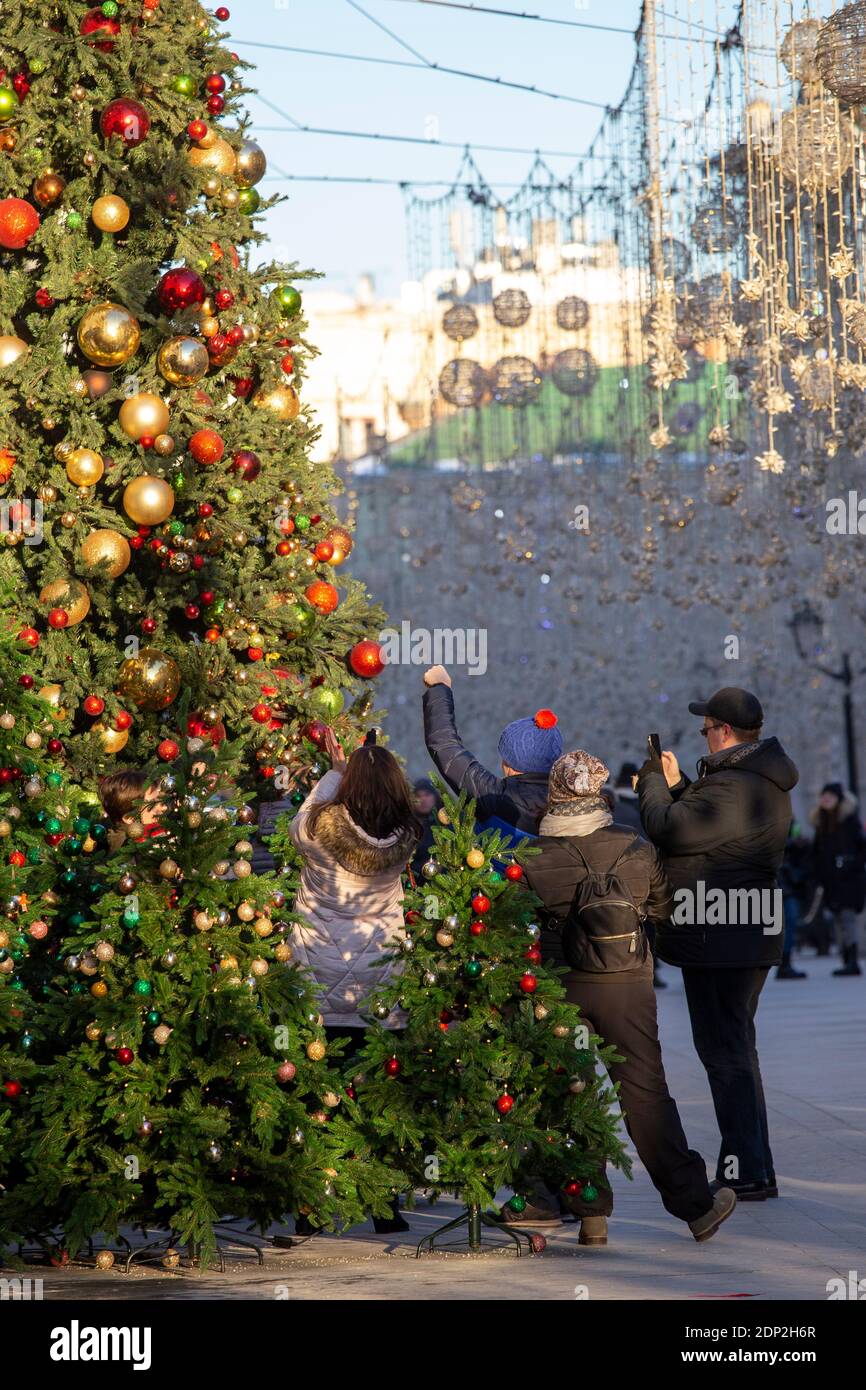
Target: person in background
pixel 132 806
pixel 610 979
pixel 725 833
pixel 839 863
pixel 356 831
pixel 516 800
pixel 794 878
pixel 427 803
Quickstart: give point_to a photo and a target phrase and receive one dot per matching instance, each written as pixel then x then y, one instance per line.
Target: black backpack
pixel 604 930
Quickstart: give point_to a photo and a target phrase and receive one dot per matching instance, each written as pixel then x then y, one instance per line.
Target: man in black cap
pixel 723 839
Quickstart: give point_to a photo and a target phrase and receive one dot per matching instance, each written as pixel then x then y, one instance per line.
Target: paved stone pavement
pixel 812 1042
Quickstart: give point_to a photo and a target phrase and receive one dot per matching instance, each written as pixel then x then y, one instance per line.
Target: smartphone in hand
pixel 654 744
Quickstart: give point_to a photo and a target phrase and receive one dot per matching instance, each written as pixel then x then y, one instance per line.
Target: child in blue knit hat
pixel 528 747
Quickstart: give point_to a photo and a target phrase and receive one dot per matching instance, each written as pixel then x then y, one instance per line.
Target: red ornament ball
pixel 126 118
pixel 12 1089
pixel 180 289
pixel 26 681
pixel 17 859
pixel 55 747
pixel 505 1104
pixel 192 611
pixel 261 713
pixel 545 719
pixel 538 1243
pixel 533 955
pixel 323 597
pixel 168 750
pixel 148 625
pixel 366 658
pixel 122 720
pixel 514 873
pixel 124 1055
pixel 286 1071
pixel 573 1188
pixel 29 637
pixel 18 222
pixel 205 509
pixel 248 464
pixel 222 14
pixel 528 983
pixel 206 447
pixel 95 22
pixel 480 904
pixel 58 618
pixel 477 928
pixel 215 82
pixel 315 731
pixel 392 1067
pixel 197 130
pixel 224 299
pixel 94 705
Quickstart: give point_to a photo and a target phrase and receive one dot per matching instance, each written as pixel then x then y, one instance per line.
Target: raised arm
pixel 460 768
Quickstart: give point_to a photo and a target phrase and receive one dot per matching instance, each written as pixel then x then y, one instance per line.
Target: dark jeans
pixel 623 1013
pixel 722 1005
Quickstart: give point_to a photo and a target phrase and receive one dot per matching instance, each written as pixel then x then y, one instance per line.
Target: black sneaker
pixel 787 972
pixel 747 1191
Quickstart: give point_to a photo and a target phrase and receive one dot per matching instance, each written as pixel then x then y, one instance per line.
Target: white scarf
pixel 577 822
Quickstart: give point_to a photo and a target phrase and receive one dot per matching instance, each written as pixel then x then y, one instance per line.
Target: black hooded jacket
pixel 727 830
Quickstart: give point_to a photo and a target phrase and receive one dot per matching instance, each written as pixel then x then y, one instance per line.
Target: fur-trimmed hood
pixel 355 850
pixel 847 807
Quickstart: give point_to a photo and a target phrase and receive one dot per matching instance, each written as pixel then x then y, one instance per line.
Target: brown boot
pixel 705 1226
pixel 593 1230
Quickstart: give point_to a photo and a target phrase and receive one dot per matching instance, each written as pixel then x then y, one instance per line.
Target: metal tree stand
pixel 474 1242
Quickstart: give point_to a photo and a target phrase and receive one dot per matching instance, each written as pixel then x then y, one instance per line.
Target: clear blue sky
pixel 347 230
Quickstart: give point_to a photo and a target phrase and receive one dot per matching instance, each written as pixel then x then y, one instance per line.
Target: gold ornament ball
pixel 209 326
pixel 283 951
pixel 150 680
pixel 161 1034
pixel 246 911
pixel 217 156
pixel 163 445
pixel 68 520
pixel 107 550
pixel 111 740
pixel 108 334
pixel 561 1030
pixel 183 362
pixel 84 467
pixel 69 594
pixel 258 966
pixel 11 348
pixel 341 540
pixel 316 1050
pixel 442 816
pixel 171 1259
pixel 281 401
pixel 475 859
pixel 445 938
pixel 143 414
pixel 93 1032
pixel 230 197
pixel 47 188
pixel 105 951
pixel 251 164
pixel 110 213
pixel 243 868
pixel 211 186
pixel 202 921
pixel 148 500
pixel 169 868
pixel 105 1259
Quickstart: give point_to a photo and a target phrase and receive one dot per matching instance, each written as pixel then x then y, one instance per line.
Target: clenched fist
pixel 437 675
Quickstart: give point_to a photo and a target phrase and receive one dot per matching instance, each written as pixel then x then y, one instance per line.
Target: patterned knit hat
pixel 531 745
pixel 573 777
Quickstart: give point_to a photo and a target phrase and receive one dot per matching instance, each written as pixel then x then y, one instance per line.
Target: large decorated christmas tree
pixel 175 559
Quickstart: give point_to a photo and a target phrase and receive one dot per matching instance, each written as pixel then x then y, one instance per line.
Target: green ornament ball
pixel 472 969
pixel 302 523
pixel 8 103
pixel 288 298
pixel 73 844
pixel 297 798
pixel 19 984
pixel 110 9
pixel 98 831
pixel 68 877
pixel 77 919
pixel 176 528
pixel 74 220
pixel 153 1017
pixel 41 817
pixel 300 619
pixel 234 496
pixel 178 482
pixel 38 65
pixel 517 1203
pixel 54 779
pixel 326 704
pixel 248 203
pixel 131 918
pixel 589 1192
pixel 34 855
pixel 81 825
pixel 183 84
pixel 27 1041
pixel 77 988
pixel 142 987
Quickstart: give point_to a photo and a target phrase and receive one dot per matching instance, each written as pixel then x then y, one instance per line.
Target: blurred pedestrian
pixel 839 860
pixel 427 803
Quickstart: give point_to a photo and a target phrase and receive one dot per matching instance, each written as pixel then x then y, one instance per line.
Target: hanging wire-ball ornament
pixel 515 381
pixel 840 53
pixel 511 308
pixel 797 50
pixel 460 322
pixel 716 226
pixel 677 258
pixel 463 382
pixel 572 313
pixel 814 378
pixel 816 145
pixel 574 372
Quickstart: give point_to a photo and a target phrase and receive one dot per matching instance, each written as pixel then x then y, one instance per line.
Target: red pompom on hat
pixel 545 719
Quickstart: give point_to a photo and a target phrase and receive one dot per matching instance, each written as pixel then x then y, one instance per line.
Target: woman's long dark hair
pixel 375 794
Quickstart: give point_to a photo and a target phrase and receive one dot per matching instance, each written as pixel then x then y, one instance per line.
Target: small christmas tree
pixel 494 1080
pixel 191 1082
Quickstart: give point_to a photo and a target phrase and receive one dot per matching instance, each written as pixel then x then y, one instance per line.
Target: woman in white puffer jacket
pixel 356 831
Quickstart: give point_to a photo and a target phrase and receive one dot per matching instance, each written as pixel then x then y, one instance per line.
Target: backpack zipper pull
pixel 632 944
